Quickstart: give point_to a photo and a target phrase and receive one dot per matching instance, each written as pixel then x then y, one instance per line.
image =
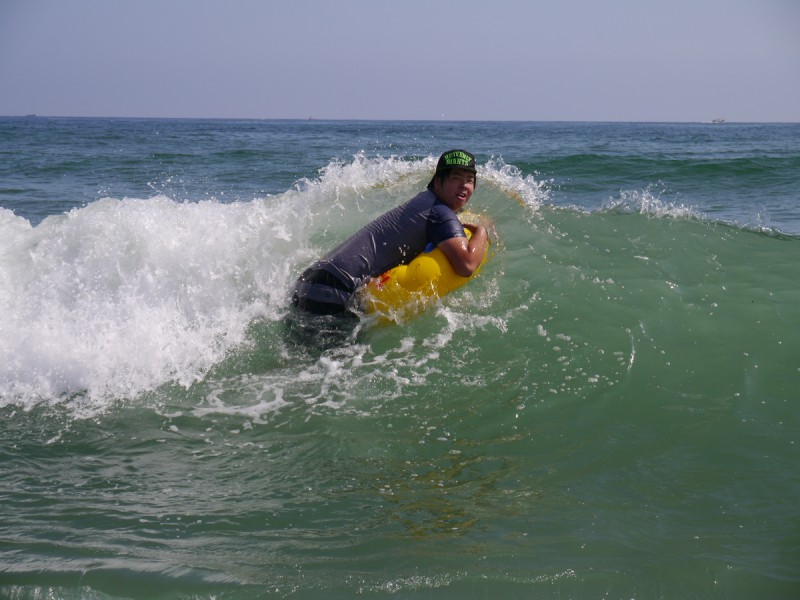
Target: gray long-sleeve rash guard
pixel 394 238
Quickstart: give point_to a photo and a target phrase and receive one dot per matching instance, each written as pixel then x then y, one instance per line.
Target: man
pixel 396 237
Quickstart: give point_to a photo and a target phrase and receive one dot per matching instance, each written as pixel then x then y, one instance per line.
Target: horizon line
pixel 715 121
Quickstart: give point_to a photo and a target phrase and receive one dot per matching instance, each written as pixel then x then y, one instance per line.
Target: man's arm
pixel 466 256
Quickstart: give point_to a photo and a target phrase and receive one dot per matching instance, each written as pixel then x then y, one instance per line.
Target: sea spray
pixel 608 406
pixel 124 295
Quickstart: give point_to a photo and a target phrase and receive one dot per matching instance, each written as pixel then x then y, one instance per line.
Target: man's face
pixel 456 188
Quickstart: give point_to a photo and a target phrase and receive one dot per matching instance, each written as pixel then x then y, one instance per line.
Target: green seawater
pixel 609 410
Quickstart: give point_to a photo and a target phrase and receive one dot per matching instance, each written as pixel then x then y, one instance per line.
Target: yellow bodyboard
pixel 407 290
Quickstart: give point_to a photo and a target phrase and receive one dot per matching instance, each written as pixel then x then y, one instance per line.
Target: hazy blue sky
pixel 586 60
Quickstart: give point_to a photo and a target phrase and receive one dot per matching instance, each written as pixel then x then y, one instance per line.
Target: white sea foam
pixel 124 295
pixel 649 202
pixel 526 189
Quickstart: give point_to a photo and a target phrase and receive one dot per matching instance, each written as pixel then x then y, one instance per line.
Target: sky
pixel 516 60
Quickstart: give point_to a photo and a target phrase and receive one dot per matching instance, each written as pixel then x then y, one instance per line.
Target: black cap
pixel 454 159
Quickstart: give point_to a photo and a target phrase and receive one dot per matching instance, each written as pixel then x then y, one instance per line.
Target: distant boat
pixel 718 121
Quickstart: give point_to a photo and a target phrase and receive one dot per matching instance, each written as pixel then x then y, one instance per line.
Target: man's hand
pixel 466 256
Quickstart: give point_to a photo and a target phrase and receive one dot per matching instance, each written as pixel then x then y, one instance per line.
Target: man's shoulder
pixel 425 197
pixel 428 200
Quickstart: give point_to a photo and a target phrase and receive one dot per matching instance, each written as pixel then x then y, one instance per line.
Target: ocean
pixel 606 411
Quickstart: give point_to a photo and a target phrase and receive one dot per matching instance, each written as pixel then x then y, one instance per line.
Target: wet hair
pixel 441 175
